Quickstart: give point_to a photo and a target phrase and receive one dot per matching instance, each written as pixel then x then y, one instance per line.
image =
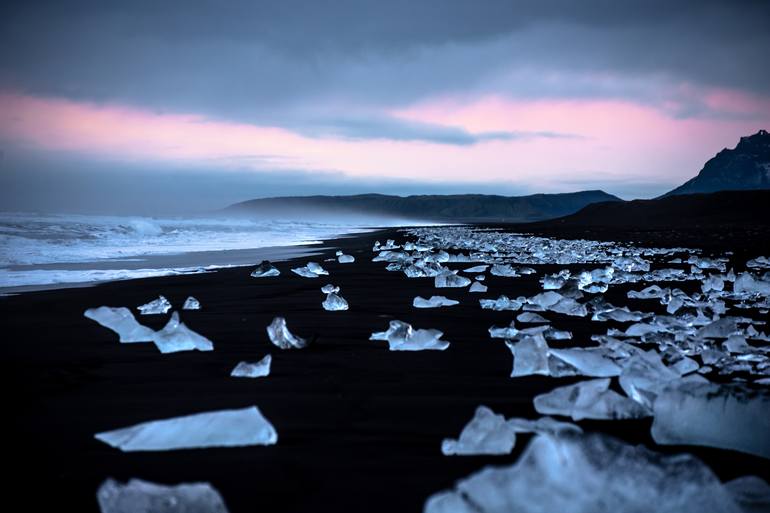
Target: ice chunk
pixel 545 300
pixel 122 322
pixel 745 283
pixel 334 303
pixel 761 261
pixel 501 303
pixel 504 332
pixel 329 288
pixel 137 496
pixel 304 272
pixel 727 416
pixel 281 336
pixel 346 259
pixel 751 492
pixel 476 269
pixel 433 302
pixel 588 361
pixel 531 317
pixel 450 279
pixel 264 270
pixel 253 370
pixel 589 400
pixel 569 306
pixel 486 433
pixel 175 337
pixel 554 282
pixel 222 428
pixel 530 356
pixel 503 270
pixel 543 425
pixel 157 306
pixel 477 287
pixel 402 337
pixel 644 375
pixel 651 292
pixel 316 268
pixel 589 474
pixel 191 304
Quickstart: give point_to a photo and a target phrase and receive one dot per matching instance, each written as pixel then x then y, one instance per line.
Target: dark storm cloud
pixel 285 63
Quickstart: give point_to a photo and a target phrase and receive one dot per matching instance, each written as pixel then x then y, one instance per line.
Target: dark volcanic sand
pixel 359 426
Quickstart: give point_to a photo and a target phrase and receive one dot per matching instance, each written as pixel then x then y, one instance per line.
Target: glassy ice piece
pixel 157 306
pixel 736 344
pixel 477 287
pixel 402 337
pixel 122 322
pixel 253 370
pixel 751 493
pixel 280 335
pixel 264 270
pixel 589 474
pixel 727 416
pixel 619 315
pixel 543 425
pixel 476 269
pixel 137 496
pixel 651 292
pixel 546 299
pixel 531 317
pixel 745 283
pixel 329 288
pixel 721 328
pixel 644 375
pixel 334 303
pixel 346 259
pixel 450 279
pixel 316 268
pixel 569 306
pixel 553 282
pixel 486 433
pixel 591 361
pixel 304 272
pixel 503 270
pixel 175 337
pixel 222 428
pixel 191 304
pixel 433 302
pixel 590 399
pixel 530 356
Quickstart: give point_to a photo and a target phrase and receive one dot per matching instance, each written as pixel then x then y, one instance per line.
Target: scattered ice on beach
pixel 157 306
pixel 265 270
pixel 590 399
pixel 486 433
pixel 729 416
pixel 531 317
pixel 175 337
pixel 329 288
pixel 402 337
pixel 433 302
pixel 191 304
pixel 122 322
pixel 450 279
pixel 138 496
pixel 593 473
pixel 223 428
pixel 281 337
pixel 477 287
pixel 334 303
pixel 253 370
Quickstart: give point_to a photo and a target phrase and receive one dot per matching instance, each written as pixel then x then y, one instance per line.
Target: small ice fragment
pixel 222 428
pixel 304 272
pixel 477 287
pixel 175 337
pixel 501 303
pixel 476 269
pixel 316 268
pixel 589 400
pixel 450 279
pixel 264 270
pixel 531 317
pixel 402 337
pixel 346 259
pixel 503 270
pixel 530 356
pixel 253 370
pixel 545 300
pixel 334 303
pixel 543 425
pixel 590 361
pixel 157 306
pixel 137 496
pixel 486 433
pixel 191 304
pixel 281 336
pixel 644 375
pixel 433 302
pixel 122 322
pixel 329 288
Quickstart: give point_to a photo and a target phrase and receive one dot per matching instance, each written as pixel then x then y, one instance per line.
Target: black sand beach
pixel 359 427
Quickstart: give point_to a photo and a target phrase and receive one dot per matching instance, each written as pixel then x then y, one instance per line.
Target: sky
pixel 146 106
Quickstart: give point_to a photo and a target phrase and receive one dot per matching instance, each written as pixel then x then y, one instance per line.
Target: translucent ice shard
pixel 122 322
pixel 543 425
pixel 433 302
pixel 334 303
pixel 727 416
pixel 175 337
pixel 304 272
pixel 644 375
pixel 530 356
pixel 264 270
pixel 477 287
pixel 531 317
pixel 589 474
pixel 476 269
pixel 486 433
pixel 402 337
pixel 157 306
pixel 450 279
pixel 329 288
pixel 590 361
pixel 223 428
pixel 191 304
pixel 589 400
pixel 281 337
pixel 137 496
pixel 253 370
pixel 316 268
pixel 346 259
pixel 503 270
pixel 501 303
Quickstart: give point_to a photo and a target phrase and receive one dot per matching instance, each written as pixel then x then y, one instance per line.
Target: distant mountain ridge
pixel 746 167
pixel 456 208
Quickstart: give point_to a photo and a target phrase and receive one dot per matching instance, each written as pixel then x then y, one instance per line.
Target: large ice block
pixel 121 321
pixel 402 337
